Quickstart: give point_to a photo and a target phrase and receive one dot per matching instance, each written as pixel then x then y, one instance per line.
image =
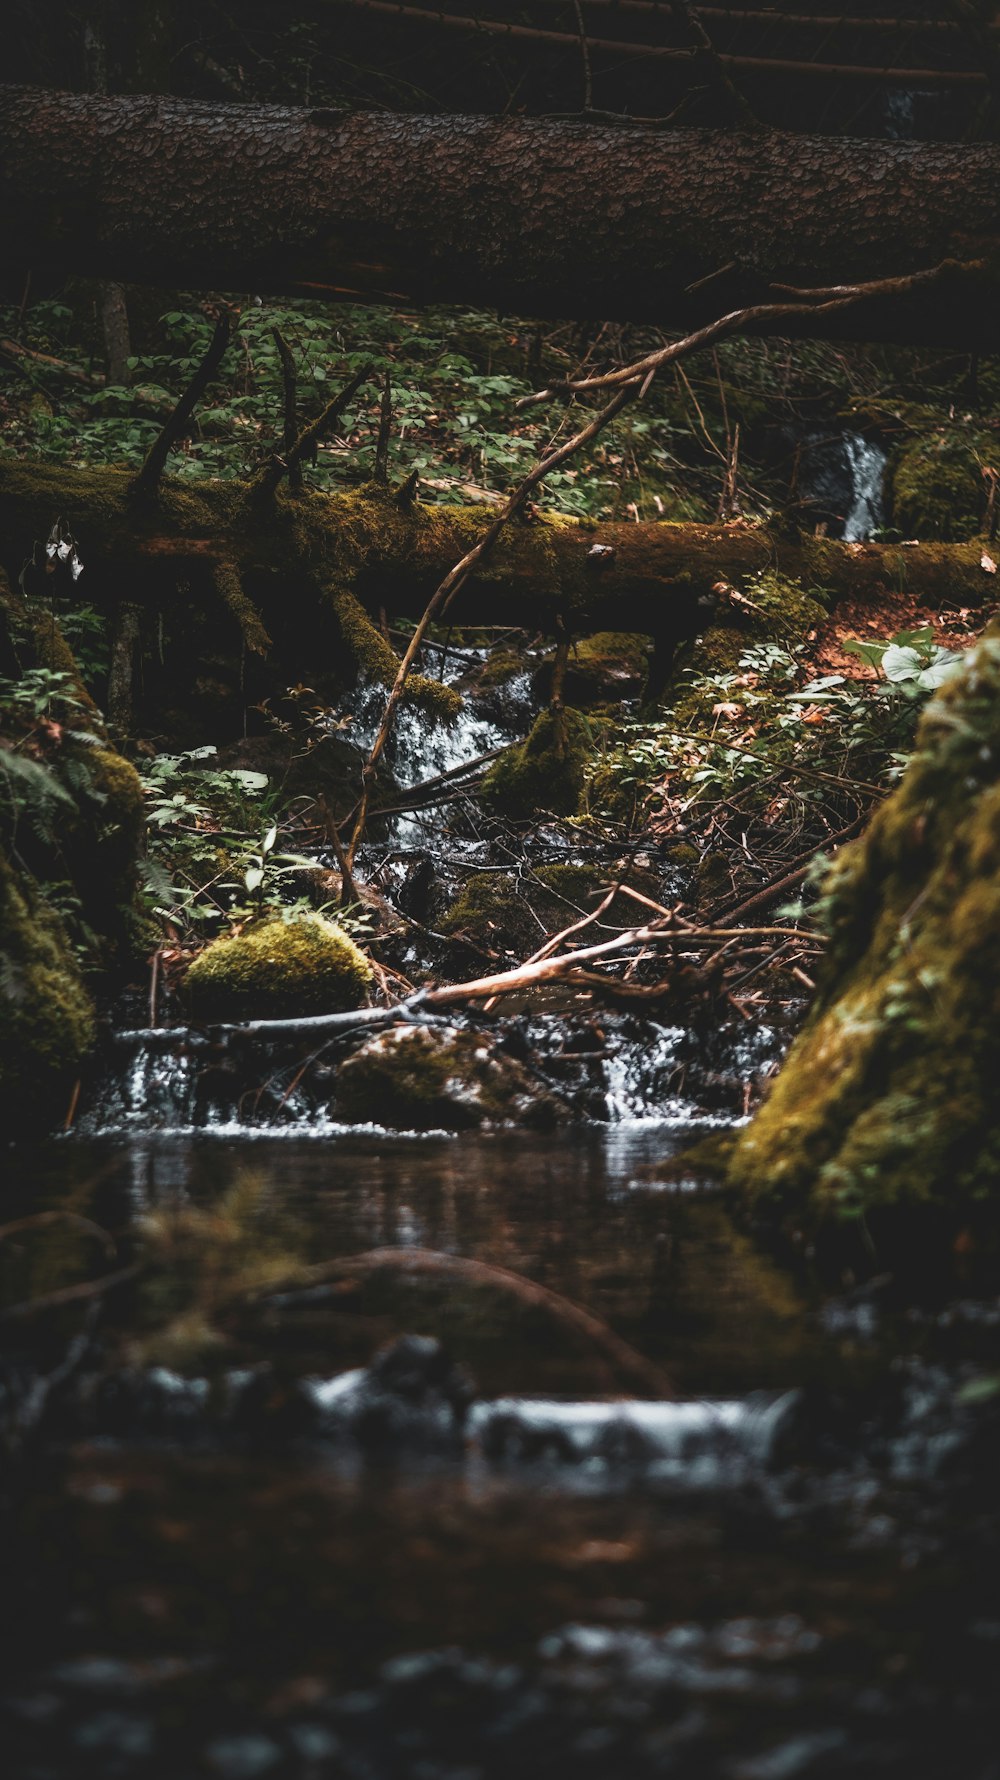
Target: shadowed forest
pixel 499 890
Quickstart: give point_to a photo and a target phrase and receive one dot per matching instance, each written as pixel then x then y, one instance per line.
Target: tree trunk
pixel 654 579
pixel 673 227
pixel 114 325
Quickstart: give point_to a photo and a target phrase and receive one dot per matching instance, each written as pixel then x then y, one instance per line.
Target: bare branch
pixel 156 458
pixel 272 473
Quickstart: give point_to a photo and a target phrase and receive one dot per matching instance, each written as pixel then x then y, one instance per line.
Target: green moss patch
pixel 887 1102
pixel 278 970
pixel 545 771
pixel 937 487
pixel 603 668
pixel 510 913
pixel 46 1014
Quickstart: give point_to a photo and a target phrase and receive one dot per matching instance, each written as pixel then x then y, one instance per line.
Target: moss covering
pixel 937 487
pixel 887 1101
pixel 277 970
pixel 545 771
pixel 416 1078
pixel 379 661
pixel 46 1014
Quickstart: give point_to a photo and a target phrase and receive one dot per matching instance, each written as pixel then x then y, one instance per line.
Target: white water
pixel 867 467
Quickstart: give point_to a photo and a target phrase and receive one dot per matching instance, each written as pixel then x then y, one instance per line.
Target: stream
pixel 669 1509
pixel 483 1555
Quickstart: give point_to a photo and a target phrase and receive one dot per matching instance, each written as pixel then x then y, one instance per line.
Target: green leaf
pixel 939 671
pixel 899 664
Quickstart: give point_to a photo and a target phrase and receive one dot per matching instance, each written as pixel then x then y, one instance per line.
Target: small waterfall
pixel 866 463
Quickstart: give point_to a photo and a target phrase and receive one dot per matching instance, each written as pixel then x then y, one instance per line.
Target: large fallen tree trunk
pixel 363 551
pixel 673 227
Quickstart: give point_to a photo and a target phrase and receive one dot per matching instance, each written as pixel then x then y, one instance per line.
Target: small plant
pixel 38 693
pixel 911 660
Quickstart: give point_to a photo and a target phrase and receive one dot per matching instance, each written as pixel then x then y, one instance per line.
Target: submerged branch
pixel 629 1361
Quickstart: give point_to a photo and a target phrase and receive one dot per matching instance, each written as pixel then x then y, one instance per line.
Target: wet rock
pixel 242 1757
pixel 412 1396
pixel 425 1078
pixel 545 771
pixel 608 666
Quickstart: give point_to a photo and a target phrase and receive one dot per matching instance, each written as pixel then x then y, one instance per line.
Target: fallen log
pixel 353 553
pixel 671 227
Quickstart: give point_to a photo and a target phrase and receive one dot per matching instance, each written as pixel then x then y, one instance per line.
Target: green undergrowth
pixel 747 715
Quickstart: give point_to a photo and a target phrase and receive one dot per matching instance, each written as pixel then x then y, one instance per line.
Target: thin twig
pixel 756 317
pixel 291 425
pixel 380 472
pixel 78 1294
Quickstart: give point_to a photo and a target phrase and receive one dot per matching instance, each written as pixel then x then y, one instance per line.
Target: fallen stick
pixel 419 1008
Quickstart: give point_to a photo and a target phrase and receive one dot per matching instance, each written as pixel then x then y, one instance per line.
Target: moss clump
pixel 277 970
pixel 887 1100
pixel 545 771
pixel 937 488
pixel 419 1079
pixel 46 1014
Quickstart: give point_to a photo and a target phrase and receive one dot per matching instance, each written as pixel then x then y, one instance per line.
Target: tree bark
pixel 114 325
pixel 533 217
pixel 653 579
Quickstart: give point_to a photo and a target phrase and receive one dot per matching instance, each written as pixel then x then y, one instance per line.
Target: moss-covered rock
pixel 418 1078
pixel 886 1105
pixel 46 1014
pixel 277 970
pixel 509 913
pixel 937 487
pixel 545 771
pixel 605 667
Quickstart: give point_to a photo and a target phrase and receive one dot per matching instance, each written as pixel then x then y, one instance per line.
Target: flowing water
pixel 581 1483
pixel 867 469
pixel 255 1556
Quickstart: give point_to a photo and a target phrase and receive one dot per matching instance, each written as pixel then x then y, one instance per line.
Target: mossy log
pixel 882 1122
pixel 277 563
